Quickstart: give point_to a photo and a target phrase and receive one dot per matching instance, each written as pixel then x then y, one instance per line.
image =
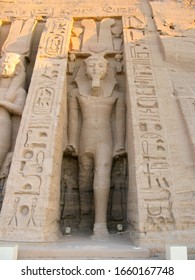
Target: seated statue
pixel 96 147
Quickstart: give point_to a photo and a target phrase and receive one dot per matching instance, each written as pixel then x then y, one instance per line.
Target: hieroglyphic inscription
pixel 53 41
pixel 39 11
pixel 36 138
pixel 156 176
pixel 118 10
pixel 36 141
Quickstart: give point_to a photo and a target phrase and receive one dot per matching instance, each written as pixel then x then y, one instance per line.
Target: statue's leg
pixel 85 189
pixel 101 187
pixel 5 139
pixel 15 127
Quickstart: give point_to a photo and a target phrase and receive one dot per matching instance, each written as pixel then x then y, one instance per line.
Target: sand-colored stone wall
pixel 158 66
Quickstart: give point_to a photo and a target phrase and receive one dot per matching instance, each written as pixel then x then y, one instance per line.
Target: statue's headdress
pixel 19 38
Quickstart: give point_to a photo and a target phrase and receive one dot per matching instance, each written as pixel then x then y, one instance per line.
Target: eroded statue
pixel 12 98
pixel 95 143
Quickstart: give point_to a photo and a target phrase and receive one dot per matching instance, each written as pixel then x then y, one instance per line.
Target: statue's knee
pixel 103 169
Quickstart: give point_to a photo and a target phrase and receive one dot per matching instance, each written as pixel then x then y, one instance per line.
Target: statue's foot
pixel 100 231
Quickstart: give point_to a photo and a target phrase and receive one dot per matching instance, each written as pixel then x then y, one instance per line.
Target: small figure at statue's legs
pixel 85 189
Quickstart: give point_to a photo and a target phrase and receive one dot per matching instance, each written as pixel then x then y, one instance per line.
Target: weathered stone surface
pixel 149 47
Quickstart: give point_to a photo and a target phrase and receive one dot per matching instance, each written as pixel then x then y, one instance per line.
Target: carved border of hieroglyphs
pixel 9 12
pixel 31 168
pixel 53 41
pixel 155 178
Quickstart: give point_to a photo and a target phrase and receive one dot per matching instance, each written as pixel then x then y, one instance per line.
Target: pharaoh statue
pixel 12 88
pixel 12 97
pixel 94 141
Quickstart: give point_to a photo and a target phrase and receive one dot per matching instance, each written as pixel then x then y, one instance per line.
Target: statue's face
pixel 8 65
pixel 96 68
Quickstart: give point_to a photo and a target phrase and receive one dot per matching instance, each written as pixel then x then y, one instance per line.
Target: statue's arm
pixel 15 108
pixel 120 124
pixel 73 121
pixel 17 82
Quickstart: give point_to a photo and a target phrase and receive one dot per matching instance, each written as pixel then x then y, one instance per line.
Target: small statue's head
pixel 8 65
pixel 96 67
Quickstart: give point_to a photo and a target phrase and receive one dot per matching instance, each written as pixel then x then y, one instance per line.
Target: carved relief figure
pixel 96 99
pixel 69 194
pixel 118 190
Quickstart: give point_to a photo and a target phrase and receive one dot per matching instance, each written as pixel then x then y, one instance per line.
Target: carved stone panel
pixel 58 182
pixel 39 144
pixel 153 177
pixel 15 49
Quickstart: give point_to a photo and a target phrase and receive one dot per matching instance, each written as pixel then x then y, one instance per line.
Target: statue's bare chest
pixel 94 102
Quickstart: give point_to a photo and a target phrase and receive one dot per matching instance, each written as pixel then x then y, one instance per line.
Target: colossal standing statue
pixel 95 144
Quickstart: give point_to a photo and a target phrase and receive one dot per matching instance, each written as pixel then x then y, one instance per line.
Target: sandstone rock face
pixel 97 120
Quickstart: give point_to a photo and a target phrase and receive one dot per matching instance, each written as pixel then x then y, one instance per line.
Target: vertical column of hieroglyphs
pixel 32 197
pixel 153 176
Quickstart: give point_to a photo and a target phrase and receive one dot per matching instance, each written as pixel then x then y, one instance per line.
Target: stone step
pixel 82 248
